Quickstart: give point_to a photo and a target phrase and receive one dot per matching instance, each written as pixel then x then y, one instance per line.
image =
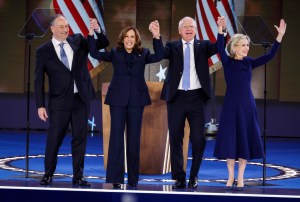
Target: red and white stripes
pixel 206 18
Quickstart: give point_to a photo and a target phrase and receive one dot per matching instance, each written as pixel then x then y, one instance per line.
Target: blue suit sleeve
pixel 158 52
pixel 267 57
pixel 102 41
pixel 221 48
pixel 95 53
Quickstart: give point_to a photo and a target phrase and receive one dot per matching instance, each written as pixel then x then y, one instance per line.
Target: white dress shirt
pixel 194 80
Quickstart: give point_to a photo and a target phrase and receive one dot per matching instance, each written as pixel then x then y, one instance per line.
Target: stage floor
pixel 282 180
pixel 15 190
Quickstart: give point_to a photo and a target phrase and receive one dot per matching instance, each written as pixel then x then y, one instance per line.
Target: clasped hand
pixel 155 29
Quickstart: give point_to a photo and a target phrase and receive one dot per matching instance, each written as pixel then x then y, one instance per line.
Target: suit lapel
pixel 135 57
pixel 75 52
pixel 179 49
pixel 196 49
pixel 53 53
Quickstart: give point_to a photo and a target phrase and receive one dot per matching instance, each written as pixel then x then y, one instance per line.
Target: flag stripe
pixel 206 19
pixel 99 12
pixel 206 24
pixel 199 34
pixel 230 12
pixel 89 9
pixel 77 17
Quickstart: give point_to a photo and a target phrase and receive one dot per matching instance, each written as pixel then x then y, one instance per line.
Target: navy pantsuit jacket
pixel 128 86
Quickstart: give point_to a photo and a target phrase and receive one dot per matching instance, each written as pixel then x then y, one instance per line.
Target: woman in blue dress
pixel 239 134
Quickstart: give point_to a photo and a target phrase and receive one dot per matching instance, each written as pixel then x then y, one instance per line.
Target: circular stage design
pixel 284 171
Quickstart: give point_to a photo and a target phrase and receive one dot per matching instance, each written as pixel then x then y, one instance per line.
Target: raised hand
pixel 282 27
pixel 94 24
pixel 281 30
pixel 222 23
pixel 155 29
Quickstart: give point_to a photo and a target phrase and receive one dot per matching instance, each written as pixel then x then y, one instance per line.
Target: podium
pixel 154 147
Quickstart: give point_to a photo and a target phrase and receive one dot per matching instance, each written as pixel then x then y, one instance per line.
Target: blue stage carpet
pixel 283 162
pixel 283 172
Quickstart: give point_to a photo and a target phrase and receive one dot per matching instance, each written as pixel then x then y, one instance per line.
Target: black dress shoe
pixel 117 185
pixel 81 182
pixel 46 180
pixel 179 184
pixel 133 185
pixel 239 188
pixel 229 187
pixel 193 183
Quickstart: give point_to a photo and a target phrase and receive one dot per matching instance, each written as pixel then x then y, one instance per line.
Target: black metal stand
pixel 266 46
pixel 29 38
pixel 212 127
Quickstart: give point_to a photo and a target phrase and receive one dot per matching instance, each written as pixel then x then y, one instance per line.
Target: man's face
pixel 60 28
pixel 187 30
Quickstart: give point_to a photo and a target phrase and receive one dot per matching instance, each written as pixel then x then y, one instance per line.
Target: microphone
pixel 266 45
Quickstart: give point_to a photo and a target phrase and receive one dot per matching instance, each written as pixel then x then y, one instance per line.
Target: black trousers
pixel 186 105
pixel 59 122
pixel 132 118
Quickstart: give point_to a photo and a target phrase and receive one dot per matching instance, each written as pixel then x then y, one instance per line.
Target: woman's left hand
pixel 282 27
pixel 281 30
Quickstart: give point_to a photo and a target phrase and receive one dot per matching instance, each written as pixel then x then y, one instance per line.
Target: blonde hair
pixel 233 41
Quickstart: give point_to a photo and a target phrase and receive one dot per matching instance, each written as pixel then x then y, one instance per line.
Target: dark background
pixel 283 72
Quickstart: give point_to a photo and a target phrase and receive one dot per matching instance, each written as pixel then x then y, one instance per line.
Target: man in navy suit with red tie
pixel 186 90
pixel 64 60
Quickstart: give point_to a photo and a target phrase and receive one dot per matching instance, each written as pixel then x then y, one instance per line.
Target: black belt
pixel 188 93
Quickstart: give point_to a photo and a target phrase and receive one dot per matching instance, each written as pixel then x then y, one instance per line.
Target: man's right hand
pixel 42 113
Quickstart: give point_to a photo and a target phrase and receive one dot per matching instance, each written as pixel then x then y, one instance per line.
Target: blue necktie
pixel 186 69
pixel 63 55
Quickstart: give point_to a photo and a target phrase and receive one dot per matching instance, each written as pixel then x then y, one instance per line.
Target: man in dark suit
pixel 64 60
pixel 186 90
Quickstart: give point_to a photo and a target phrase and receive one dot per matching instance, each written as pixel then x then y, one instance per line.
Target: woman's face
pixel 241 49
pixel 129 40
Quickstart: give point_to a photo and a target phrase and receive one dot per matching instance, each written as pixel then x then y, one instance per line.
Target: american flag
pixel 207 13
pixel 78 13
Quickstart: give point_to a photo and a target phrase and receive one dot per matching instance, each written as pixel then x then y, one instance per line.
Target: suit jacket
pixel 61 79
pixel 174 52
pixel 128 85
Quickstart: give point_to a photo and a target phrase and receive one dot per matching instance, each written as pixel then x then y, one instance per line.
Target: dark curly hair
pixel 137 46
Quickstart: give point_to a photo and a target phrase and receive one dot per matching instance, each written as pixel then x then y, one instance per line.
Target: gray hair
pixel 185 18
pixel 234 41
pixel 54 17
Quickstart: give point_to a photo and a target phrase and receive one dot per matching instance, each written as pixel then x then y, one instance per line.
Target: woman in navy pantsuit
pixel 127 96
